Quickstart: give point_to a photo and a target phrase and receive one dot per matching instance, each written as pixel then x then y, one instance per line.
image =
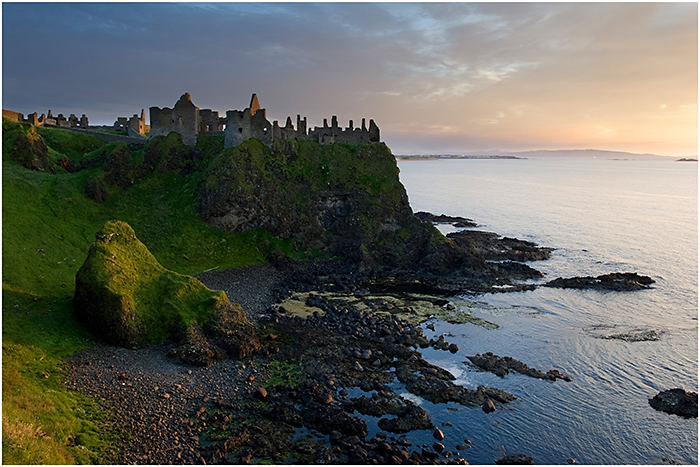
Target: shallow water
pixel 603 216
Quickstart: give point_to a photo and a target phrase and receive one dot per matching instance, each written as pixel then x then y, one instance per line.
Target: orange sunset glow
pixel 437 78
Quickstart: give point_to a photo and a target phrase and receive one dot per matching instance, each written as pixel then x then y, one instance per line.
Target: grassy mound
pixel 125 297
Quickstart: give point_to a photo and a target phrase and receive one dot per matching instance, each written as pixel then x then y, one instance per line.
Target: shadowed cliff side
pixel 343 200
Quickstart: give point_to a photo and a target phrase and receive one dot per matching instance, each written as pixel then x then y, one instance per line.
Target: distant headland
pixel 588 153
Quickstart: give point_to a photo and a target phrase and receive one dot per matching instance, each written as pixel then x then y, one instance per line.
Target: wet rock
pixel 357 455
pixel 517 271
pixel 500 366
pixel 437 434
pixel 515 459
pixel 444 219
pixel 412 418
pixel 623 333
pixel 261 393
pixel 488 406
pixel 326 419
pixel 285 411
pixel 493 247
pixel 438 389
pixel 676 401
pixel 438 447
pixel 617 281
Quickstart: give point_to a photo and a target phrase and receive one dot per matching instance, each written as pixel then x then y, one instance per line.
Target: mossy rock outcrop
pixel 25 146
pixel 125 297
pixel 344 200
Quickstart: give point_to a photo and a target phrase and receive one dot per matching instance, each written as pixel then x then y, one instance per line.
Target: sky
pixel 437 78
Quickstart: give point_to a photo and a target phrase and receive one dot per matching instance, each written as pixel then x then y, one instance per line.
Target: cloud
pixel 496 73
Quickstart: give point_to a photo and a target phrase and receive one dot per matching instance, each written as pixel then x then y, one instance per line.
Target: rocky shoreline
pixel 314 375
pixel 336 345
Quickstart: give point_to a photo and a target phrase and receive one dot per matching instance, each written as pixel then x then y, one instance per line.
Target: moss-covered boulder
pixel 125 297
pixel 24 145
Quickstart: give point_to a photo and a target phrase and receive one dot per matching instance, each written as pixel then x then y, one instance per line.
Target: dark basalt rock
pixel 515 459
pixel 617 281
pixel 444 219
pixel 676 401
pixel 493 247
pixel 518 271
pixel 438 388
pixel 411 418
pixel 500 366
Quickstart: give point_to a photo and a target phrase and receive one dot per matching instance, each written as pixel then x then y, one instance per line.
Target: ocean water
pixel 602 216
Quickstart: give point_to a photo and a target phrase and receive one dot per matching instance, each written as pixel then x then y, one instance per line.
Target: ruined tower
pixel 247 124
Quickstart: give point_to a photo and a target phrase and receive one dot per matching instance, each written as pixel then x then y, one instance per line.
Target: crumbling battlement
pixel 49 120
pixel 134 126
pixel 240 125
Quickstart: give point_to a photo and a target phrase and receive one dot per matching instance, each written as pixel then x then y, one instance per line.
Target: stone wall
pixel 161 121
pixel 71 122
pixel 14 116
pixel 186 120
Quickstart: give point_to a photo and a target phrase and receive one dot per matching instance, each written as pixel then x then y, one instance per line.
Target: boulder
pixel 496 248
pixel 676 401
pixel 25 146
pixel 488 406
pixel 618 281
pixel 125 297
pixel 515 459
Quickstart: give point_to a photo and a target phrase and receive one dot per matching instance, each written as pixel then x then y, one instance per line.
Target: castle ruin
pixel 134 126
pixel 49 120
pixel 189 121
pixel 240 125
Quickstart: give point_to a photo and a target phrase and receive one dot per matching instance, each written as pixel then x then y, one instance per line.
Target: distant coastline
pixel 495 154
pixel 451 156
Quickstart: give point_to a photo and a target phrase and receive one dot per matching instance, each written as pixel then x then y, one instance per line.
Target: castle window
pixel 240 130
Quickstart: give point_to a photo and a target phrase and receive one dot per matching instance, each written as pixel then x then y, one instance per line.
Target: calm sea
pixel 602 216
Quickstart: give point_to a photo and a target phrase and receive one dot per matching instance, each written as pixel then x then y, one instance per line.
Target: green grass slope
pixel 48 225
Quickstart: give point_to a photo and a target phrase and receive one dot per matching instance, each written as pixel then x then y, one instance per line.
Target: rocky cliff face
pixel 344 200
